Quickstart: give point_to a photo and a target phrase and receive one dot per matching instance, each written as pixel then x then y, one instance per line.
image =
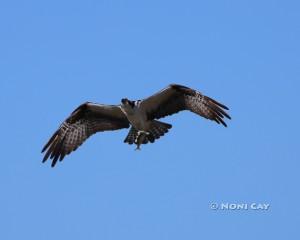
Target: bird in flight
pixel 141 115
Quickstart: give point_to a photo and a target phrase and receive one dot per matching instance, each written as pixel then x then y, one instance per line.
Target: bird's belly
pixel 138 122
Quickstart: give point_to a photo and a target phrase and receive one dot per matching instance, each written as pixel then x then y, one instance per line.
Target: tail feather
pixel 131 136
pixel 157 130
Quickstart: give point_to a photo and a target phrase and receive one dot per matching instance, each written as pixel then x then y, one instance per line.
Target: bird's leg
pixel 138 147
pixel 138 142
pixel 140 138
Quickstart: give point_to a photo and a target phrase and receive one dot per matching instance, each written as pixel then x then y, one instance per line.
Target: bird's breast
pixel 138 120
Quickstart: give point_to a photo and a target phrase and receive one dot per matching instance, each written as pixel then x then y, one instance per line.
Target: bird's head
pixel 127 103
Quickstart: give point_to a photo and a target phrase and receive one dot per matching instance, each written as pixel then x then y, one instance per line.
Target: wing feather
pixel 86 120
pixel 176 98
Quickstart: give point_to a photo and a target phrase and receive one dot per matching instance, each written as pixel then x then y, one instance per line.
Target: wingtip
pixel 223 123
pixel 45 158
pixel 44 149
pixel 54 161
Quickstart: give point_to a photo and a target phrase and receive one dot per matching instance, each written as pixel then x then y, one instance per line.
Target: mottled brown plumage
pixel 177 98
pixel 85 121
pixel 90 118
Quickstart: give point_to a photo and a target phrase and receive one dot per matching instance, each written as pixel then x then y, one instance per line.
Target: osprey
pixel 90 118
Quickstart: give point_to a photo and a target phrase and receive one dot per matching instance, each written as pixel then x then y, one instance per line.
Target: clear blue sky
pixel 54 55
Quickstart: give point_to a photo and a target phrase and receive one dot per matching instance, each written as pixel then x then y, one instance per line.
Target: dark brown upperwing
pixel 84 121
pixel 175 98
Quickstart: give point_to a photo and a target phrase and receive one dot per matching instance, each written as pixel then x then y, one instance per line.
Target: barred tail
pixel 131 136
pixel 157 130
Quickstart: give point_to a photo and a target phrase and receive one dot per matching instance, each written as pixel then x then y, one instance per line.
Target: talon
pixel 137 148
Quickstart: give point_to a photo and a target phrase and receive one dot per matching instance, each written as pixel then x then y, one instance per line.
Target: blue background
pixel 54 55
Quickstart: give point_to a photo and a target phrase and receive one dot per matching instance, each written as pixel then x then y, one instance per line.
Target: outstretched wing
pixel 175 98
pixel 86 120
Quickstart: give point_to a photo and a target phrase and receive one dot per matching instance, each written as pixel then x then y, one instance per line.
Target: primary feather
pixel 85 121
pixel 90 118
